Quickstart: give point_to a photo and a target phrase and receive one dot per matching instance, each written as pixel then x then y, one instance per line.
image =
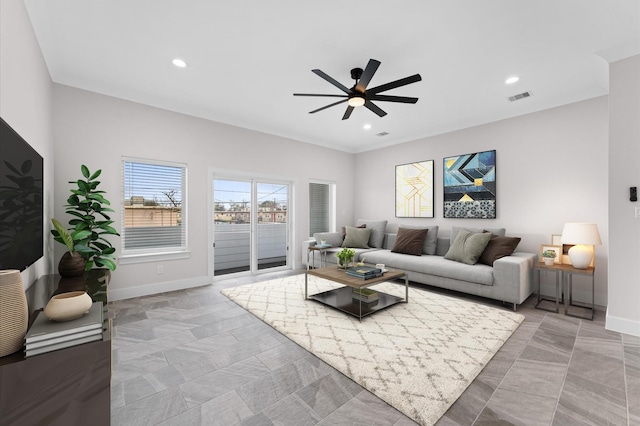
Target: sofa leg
pixel 515 307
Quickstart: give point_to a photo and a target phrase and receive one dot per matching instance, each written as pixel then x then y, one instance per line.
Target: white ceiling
pixel 247 57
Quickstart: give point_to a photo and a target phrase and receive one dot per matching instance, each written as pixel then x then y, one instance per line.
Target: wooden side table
pixel 323 255
pixel 564 283
pixel 568 272
pixel 555 268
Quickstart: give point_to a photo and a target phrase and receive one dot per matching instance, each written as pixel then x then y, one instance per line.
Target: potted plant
pixel 345 257
pixel 72 263
pixel 91 223
pixel 549 256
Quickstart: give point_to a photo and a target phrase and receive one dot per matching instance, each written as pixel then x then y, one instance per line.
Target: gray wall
pixel 98 130
pixel 25 103
pixel 623 311
pixel 551 169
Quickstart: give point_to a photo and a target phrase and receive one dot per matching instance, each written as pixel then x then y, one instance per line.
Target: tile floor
pixel 193 357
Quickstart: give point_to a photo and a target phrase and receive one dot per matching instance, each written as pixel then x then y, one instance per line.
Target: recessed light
pixel 179 63
pixel 512 80
pixel 366 126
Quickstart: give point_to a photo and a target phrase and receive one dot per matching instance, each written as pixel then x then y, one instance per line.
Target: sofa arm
pixel 514 276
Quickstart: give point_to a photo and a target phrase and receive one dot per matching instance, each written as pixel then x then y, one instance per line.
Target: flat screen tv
pixel 21 215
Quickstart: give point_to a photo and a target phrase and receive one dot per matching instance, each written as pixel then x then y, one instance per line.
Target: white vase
pixel 14 314
pixel 68 306
pixel 548 260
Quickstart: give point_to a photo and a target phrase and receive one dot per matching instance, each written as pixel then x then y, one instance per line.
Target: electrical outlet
pixel 159 269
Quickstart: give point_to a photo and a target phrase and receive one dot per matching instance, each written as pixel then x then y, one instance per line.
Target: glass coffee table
pixel 342 298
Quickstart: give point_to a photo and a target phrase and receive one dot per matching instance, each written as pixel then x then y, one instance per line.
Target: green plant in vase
pixel 345 257
pixel 89 207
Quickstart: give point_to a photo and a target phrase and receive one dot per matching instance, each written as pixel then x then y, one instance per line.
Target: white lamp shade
pixel 583 236
pixel 581 233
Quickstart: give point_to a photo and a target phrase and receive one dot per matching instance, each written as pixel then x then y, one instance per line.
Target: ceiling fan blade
pixel 394 84
pixel 316 94
pixel 374 108
pixel 367 74
pixel 327 106
pixel 348 112
pixel 331 80
pixel 388 98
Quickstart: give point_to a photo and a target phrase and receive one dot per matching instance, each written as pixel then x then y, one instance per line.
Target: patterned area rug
pixel 418 357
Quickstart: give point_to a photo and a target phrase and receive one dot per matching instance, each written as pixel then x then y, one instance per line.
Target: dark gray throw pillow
pixel 410 241
pixel 468 246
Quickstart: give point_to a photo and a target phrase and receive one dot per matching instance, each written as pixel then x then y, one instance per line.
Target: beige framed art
pixel 556 248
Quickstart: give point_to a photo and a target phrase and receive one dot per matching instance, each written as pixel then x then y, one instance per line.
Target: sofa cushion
pixel 495 231
pixel 432 265
pixel 333 238
pixel 468 246
pixel 357 237
pixel 410 241
pixel 377 231
pixel 498 248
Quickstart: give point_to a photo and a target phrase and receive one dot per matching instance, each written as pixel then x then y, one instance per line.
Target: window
pixel 154 207
pixel 321 207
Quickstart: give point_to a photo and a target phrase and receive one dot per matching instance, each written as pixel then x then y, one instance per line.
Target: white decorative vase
pixel 68 306
pixel 14 314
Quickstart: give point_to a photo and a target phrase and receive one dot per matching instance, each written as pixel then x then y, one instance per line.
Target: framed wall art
pixel 470 186
pixel 414 189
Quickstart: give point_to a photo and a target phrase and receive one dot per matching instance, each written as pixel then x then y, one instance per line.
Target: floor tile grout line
pixel 566 373
pixel 507 372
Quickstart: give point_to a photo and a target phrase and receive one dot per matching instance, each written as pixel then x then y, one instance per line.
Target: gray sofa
pixel 509 280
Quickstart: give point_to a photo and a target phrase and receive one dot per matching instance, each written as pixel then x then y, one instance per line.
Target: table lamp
pixel 583 235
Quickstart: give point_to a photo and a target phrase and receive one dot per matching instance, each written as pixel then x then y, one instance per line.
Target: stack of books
pixel 364 294
pixel 46 335
pixel 364 272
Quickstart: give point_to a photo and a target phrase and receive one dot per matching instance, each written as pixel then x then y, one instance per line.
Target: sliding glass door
pixel 250 225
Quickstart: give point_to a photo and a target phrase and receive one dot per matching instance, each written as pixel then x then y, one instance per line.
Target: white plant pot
pixel 548 260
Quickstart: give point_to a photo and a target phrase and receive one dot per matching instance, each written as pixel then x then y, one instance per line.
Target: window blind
pixel 154 206
pixel 320 207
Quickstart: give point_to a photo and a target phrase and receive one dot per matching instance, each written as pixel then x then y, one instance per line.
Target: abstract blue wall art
pixel 470 186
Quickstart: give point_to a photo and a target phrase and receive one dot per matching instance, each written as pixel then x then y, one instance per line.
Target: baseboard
pixel 149 289
pixel 622 325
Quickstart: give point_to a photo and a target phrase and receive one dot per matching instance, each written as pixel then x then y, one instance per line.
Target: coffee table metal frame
pixel 341 298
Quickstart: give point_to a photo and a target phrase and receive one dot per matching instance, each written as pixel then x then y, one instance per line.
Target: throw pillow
pixel 468 246
pixel 495 231
pixel 410 241
pixel 497 248
pixel 430 243
pixel 344 230
pixel 377 231
pixel 356 237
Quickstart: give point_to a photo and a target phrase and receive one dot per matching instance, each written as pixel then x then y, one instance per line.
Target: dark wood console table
pixel 70 386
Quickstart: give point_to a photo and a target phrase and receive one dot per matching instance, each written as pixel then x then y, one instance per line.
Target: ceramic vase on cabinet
pixel 14 314
pixel 68 306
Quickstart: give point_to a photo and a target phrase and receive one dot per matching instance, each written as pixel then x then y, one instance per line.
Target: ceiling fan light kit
pixel 358 95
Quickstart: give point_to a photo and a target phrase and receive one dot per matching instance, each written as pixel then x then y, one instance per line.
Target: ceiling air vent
pixel 382 134
pixel 519 96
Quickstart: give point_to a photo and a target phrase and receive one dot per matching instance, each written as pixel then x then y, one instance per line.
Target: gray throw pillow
pixel 468 246
pixel 377 228
pixel 410 241
pixel 495 231
pixel 357 237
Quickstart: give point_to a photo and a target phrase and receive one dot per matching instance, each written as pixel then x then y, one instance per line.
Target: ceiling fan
pixel 358 95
